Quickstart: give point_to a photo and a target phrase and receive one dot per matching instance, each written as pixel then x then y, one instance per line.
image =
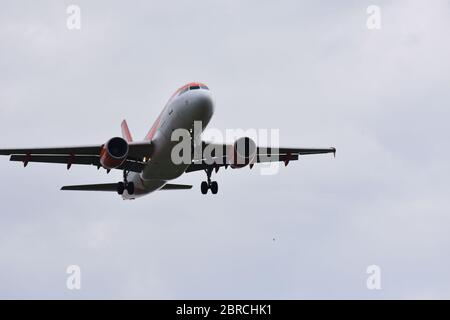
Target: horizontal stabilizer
pixel 111 187
pixel 176 187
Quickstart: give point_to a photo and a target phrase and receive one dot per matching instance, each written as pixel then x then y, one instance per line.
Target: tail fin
pixel 126 132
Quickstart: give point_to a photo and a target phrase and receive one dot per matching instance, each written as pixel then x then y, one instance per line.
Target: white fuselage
pixel 182 110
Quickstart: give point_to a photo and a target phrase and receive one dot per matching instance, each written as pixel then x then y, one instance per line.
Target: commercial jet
pixel 148 165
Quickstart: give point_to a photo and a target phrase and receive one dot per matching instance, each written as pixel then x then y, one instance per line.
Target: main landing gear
pixel 125 185
pixel 209 185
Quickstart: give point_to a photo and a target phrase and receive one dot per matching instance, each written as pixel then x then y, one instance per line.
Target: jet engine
pixel 242 153
pixel 114 153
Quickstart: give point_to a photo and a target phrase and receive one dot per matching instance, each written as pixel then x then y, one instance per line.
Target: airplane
pixel 147 165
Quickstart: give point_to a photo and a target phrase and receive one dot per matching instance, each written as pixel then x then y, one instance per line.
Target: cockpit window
pixel 193 87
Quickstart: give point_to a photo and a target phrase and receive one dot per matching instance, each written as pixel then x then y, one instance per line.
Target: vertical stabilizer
pixel 126 131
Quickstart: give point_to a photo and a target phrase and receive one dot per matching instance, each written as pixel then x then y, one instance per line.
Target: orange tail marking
pixel 126 131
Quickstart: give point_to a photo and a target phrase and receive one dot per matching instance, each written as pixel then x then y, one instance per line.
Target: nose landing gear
pixel 125 185
pixel 209 185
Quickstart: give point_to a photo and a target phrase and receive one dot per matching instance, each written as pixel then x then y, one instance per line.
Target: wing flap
pixel 201 165
pixel 93 160
pixel 304 151
pixel 81 150
pixel 69 160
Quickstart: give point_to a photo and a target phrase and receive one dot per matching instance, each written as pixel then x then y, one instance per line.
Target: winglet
pixel 334 152
pixel 126 131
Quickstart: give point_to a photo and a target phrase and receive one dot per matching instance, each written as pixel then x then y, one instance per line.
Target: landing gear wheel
pixel 120 188
pixel 125 185
pixel 130 188
pixel 209 185
pixel 204 187
pixel 214 187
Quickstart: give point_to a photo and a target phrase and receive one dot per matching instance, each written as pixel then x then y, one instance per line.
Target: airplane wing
pixel 301 151
pixel 83 155
pixel 263 155
pixel 81 150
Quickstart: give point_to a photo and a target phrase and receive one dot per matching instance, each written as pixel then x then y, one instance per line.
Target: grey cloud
pixel 311 69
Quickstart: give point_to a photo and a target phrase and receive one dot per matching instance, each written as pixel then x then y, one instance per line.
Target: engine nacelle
pixel 114 153
pixel 242 153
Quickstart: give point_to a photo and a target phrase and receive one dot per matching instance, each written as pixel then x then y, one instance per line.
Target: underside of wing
pixel 81 155
pixel 225 148
pixel 137 150
pixel 113 187
pixel 202 165
pixel 128 165
pixel 81 150
pixel 221 155
pixel 299 151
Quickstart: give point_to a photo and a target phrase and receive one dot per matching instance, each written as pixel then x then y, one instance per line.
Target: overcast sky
pixel 309 68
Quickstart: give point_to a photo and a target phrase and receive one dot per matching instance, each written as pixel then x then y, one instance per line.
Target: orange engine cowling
pixel 114 153
pixel 242 153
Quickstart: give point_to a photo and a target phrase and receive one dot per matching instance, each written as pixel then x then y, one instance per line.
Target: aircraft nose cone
pixel 203 105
